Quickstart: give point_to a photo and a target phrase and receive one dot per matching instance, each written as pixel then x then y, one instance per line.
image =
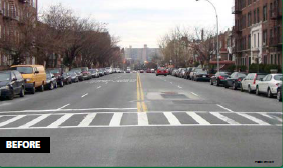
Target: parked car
pixel 109 70
pixel 187 73
pixel 11 83
pixel 94 73
pixel 141 71
pixel 249 82
pixel 269 85
pixel 193 72
pixel 279 93
pixel 74 76
pixel 174 72
pixel 182 73
pixel 201 75
pixel 51 81
pixel 118 70
pixel 148 71
pixel 57 72
pixel 219 78
pixel 67 79
pixel 101 72
pixel 34 76
pixel 161 71
pixel 152 70
pixel 128 70
pixel 235 80
pixel 86 74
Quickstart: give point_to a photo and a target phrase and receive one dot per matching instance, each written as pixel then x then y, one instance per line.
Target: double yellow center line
pixel 140 96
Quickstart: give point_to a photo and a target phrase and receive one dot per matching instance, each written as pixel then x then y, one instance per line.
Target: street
pixel 143 120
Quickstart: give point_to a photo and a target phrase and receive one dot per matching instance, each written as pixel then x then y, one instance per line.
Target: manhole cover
pixel 174 96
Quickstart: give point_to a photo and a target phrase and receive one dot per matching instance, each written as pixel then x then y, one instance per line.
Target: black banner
pixel 24 144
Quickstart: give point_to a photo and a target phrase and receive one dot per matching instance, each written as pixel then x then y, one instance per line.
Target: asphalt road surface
pixel 144 120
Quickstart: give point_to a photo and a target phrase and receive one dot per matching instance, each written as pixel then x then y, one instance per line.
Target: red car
pixel 148 71
pixel 141 71
pixel 161 71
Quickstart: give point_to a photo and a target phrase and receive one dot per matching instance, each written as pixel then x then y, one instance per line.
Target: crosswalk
pixel 138 119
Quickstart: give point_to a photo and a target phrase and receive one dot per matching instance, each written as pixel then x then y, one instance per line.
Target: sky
pixel 139 22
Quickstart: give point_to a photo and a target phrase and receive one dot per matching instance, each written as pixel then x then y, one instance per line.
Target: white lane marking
pixel 172 119
pixel 179 87
pixel 52 110
pixel 116 119
pixel 225 119
pixel 60 121
pixel 61 108
pixel 84 95
pixel 254 119
pixel 198 118
pixel 35 121
pixel 11 120
pixel 5 104
pixel 98 87
pixel 87 120
pixel 142 119
pixel 194 94
pixel 225 108
pixel 271 117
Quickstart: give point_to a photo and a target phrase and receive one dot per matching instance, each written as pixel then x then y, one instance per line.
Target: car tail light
pixel 277 84
pixel 221 77
pixel 240 80
pixel 255 79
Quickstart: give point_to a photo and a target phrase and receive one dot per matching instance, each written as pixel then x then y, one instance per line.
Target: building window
pixel 249 41
pixel 254 41
pixel 258 40
pixel 271 59
pixel 258 18
pixel 264 37
pixel 265 13
pixel 279 62
pixel 249 19
pixel 275 59
pixel 254 16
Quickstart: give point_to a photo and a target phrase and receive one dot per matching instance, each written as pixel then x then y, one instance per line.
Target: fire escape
pixel 275 41
pixel 237 30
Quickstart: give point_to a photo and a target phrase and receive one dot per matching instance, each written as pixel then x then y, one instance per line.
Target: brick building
pixel 258 31
pixel 12 15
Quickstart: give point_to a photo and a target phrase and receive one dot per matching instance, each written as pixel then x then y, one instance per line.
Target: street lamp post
pixel 217 54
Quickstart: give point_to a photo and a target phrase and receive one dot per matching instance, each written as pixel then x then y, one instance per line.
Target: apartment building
pixel 12 17
pixel 258 31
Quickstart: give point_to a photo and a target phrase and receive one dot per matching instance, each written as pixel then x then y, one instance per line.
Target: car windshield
pixel 260 76
pixel 84 69
pixel 55 71
pixel 5 76
pixel 23 70
pixel 278 77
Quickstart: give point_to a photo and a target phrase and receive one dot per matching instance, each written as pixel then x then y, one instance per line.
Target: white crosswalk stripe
pixel 11 120
pixel 254 119
pixel 60 121
pixel 142 120
pixel 35 121
pixel 224 118
pixel 198 118
pixel 116 119
pixel 87 120
pixel 172 119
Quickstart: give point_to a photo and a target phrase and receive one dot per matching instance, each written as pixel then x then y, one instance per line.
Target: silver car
pixel 249 83
pixel 269 85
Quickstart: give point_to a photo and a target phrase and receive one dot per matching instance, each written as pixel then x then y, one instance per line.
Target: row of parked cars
pixel 258 83
pixel 31 78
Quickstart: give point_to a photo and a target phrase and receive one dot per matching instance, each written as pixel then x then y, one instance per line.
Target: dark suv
pixel 11 84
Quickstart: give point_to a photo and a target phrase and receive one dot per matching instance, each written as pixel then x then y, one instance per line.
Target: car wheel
pixel 250 90
pixel 51 87
pixel 41 89
pixel 33 90
pixel 234 86
pixel 279 96
pixel 257 91
pixel 217 83
pixel 11 96
pixel 242 89
pixel 22 94
pixel 269 93
pixel 211 83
